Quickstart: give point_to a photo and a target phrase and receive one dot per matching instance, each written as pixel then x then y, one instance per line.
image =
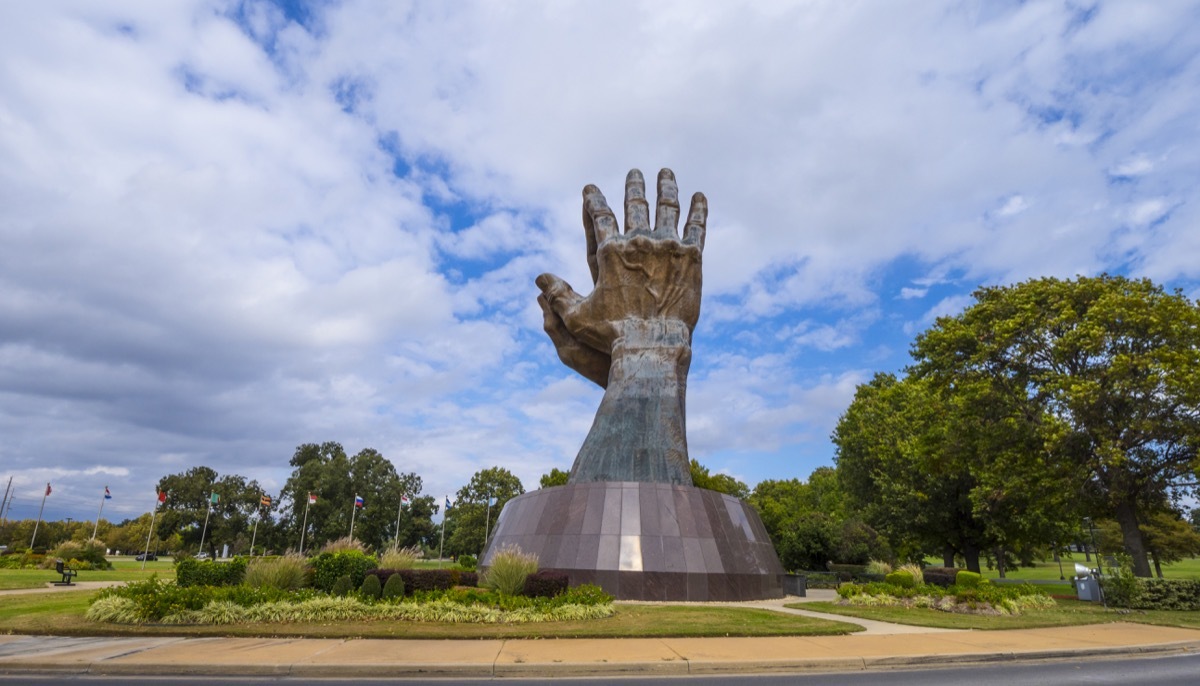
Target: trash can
pixel 1088 588
pixel 795 584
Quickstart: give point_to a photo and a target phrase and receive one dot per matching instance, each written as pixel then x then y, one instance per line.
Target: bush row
pixel 192 572
pixel 1126 590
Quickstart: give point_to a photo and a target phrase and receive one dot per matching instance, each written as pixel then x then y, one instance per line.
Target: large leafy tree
pixel 472 517
pixel 326 471
pixel 189 504
pixel 556 477
pixel 1111 369
pixel 722 483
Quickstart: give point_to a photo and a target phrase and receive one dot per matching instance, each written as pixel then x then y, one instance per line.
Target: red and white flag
pixel 47 488
pixel 312 498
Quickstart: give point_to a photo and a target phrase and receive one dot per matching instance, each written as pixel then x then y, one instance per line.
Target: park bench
pixel 61 568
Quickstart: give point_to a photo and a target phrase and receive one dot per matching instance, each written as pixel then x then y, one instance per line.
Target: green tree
pixel 722 483
pixel 556 477
pixel 471 515
pixel 1110 365
pixel 188 504
pixel 325 471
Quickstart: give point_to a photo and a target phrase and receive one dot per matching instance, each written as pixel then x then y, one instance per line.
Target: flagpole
pixel 96 528
pixel 255 535
pixel 353 511
pixel 442 545
pixel 39 520
pixel 4 503
pixel 486 521
pixel 153 514
pixel 398 511
pixel 205 531
pixel 304 526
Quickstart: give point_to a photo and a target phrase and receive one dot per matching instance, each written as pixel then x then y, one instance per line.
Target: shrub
pixel 902 578
pixel 329 567
pixel 879 567
pixel 965 579
pixel 399 558
pixel 429 579
pixel 1125 590
pixel 584 594
pixel 468 562
pixel 371 588
pixel 394 588
pixel 342 586
pixel 545 584
pixel 509 568
pixel 287 573
pixel 193 572
pixel 941 576
pixel 344 544
pixel 154 600
pixel 88 555
pixel 915 570
pixel 858 543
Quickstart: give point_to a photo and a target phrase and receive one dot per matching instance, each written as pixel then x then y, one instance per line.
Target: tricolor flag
pixel 47 488
pixel 107 495
pixel 358 502
pixel 312 498
pixel 404 501
pixel 265 500
pixel 214 498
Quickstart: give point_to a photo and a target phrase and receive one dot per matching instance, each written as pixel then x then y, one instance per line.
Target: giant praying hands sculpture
pixel 632 334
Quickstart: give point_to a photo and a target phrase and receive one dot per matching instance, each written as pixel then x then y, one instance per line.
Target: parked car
pixel 146 557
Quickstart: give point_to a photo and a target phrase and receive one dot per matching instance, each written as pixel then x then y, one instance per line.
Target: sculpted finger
pixel 589 233
pixel 637 210
pixel 599 215
pixel 693 233
pixel 590 363
pixel 558 293
pixel 666 216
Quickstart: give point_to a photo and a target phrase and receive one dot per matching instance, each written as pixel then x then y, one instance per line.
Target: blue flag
pixel 447 502
pixel 107 495
pixel 492 501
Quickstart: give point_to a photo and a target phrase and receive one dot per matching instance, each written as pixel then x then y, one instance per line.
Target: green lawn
pixel 124 569
pixel 1184 569
pixel 62 613
pixel 1068 613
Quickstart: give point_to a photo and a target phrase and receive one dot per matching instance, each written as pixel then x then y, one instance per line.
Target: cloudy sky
pixel 228 228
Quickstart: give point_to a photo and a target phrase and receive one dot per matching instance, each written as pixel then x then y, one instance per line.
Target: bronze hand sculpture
pixel 632 335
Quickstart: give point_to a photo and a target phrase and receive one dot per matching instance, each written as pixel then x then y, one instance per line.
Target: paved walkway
pixel 880 646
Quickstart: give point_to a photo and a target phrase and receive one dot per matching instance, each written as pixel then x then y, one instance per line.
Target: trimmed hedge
pixel 428 579
pixel 329 567
pixel 942 576
pixel 901 578
pixel 192 572
pixel 967 579
pixel 1152 594
pixel 545 584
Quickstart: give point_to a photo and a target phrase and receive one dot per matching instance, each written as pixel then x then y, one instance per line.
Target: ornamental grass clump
pixel 915 570
pixel 399 558
pixel 508 570
pixel 286 573
pixel 341 545
pixel 879 568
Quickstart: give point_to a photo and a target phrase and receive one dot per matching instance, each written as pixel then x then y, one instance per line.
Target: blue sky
pixel 229 228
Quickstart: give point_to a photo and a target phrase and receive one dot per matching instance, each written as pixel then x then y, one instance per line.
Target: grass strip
pixel 1068 613
pixel 62 614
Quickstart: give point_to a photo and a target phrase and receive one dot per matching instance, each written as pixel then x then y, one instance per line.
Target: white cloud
pixel 208 257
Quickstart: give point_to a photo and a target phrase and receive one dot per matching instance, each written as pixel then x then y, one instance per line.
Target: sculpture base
pixel 644 541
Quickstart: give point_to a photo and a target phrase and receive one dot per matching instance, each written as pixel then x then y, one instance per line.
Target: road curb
pixel 681 666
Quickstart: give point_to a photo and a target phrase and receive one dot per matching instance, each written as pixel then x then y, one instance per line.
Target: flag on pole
pixel 312 498
pixel 162 496
pixel 265 500
pixel 492 501
pixel 47 488
pixel 214 498
pixel 358 502
pixel 107 495
pixel 448 504
pixel 404 501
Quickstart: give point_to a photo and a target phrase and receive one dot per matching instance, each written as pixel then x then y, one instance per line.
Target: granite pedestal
pixel 644 541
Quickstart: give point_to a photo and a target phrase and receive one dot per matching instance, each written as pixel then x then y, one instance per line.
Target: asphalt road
pixel 1176 670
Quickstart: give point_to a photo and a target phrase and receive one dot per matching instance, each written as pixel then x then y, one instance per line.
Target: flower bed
pixel 986 598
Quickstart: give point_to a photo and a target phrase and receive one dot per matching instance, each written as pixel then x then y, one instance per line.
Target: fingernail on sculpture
pixel 629 518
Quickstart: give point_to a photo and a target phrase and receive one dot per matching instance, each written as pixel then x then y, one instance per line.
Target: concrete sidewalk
pixel 575 657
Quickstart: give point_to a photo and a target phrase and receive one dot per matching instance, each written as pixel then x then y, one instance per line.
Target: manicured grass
pixel 1068 613
pixel 1184 569
pixel 62 613
pixel 124 569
